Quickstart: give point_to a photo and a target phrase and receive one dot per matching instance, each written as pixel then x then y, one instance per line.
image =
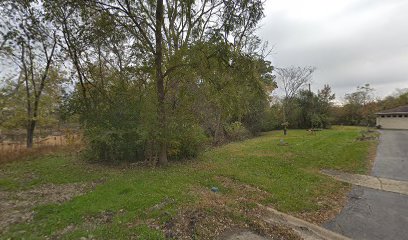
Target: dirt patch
pixel 103 217
pixel 17 207
pixel 241 234
pixel 200 222
pixel 90 222
pixel 213 222
pixel 368 135
pixel 215 214
pixel 372 154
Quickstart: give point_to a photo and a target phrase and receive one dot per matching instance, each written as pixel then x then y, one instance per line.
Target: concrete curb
pixel 384 184
pixel 304 229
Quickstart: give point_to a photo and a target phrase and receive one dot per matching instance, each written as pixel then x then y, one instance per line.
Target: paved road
pixel 375 214
pixel 392 155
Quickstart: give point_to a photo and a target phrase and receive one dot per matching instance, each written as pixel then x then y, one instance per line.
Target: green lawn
pixel 289 174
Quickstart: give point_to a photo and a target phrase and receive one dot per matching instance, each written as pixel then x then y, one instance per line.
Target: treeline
pixel 299 107
pixel 302 108
pixel 305 110
pixel 360 106
pixel 146 79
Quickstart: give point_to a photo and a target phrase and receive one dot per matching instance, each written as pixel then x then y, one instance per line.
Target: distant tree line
pixel 299 107
pixel 360 106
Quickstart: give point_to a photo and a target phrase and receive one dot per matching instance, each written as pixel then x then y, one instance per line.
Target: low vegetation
pixel 133 200
pixel 17 151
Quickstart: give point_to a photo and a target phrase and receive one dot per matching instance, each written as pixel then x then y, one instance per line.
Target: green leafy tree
pixel 325 105
pixel 399 98
pixel 32 45
pixel 157 49
pixel 360 106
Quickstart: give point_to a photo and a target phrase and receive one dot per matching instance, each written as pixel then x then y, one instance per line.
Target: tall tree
pixel 160 81
pixel 292 80
pixel 33 49
pixel 166 30
pixel 360 105
pixel 325 103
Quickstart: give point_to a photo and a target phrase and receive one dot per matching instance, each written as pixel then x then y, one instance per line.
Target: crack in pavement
pixel 381 184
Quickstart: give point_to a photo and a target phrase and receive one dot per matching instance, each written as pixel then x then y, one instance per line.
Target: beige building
pixel 396 118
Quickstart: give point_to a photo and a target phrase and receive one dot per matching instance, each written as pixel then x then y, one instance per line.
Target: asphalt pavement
pixel 376 214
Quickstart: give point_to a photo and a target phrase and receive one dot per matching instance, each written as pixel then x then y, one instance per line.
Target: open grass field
pixel 59 196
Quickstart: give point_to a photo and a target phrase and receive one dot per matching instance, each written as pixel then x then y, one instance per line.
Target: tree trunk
pixel 217 139
pixel 30 129
pixel 285 131
pixel 30 133
pixel 161 111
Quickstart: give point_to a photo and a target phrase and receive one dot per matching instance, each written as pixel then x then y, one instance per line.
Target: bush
pixel 113 121
pixel 113 145
pixel 316 121
pixel 236 131
pixel 272 118
pixel 187 142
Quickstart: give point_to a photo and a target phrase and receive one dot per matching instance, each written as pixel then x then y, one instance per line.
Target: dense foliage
pixel 147 79
pixel 305 109
pixel 212 101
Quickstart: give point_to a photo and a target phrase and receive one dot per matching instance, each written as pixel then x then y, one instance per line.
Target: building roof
pixel 397 110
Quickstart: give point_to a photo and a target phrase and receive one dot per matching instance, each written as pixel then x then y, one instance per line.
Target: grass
pixel 289 173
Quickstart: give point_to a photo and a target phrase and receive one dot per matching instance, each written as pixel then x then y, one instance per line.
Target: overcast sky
pixel 351 42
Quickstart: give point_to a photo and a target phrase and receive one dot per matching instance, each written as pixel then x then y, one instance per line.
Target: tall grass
pixel 13 151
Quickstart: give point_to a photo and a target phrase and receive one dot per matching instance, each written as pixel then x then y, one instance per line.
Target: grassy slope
pixel 289 173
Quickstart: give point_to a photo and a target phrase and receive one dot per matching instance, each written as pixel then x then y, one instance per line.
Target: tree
pixel 234 87
pixel 292 79
pixel 308 109
pixel 399 98
pixel 199 64
pixel 32 48
pixel 14 104
pixel 325 105
pixel 148 77
pixel 360 107
pixel 167 30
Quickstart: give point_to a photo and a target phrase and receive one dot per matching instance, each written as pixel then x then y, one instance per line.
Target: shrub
pixel 236 131
pixel 114 145
pixel 113 121
pixel 187 142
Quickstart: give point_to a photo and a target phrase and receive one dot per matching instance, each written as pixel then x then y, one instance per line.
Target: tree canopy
pixel 147 79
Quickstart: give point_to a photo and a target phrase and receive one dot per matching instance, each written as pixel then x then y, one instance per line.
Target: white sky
pixel 351 42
